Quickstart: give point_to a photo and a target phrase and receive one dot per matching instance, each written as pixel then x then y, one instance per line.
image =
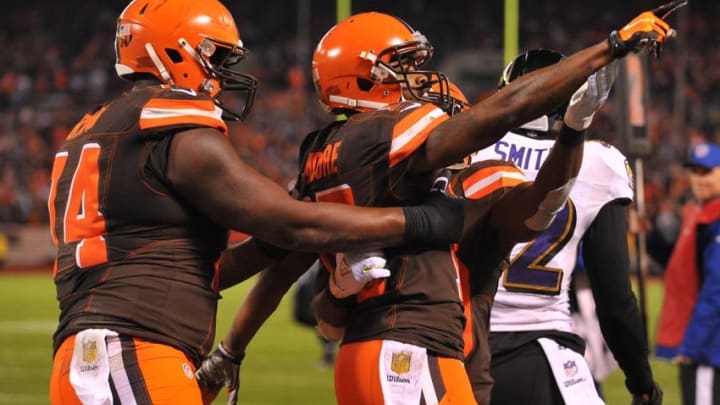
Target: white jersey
pixel 533 292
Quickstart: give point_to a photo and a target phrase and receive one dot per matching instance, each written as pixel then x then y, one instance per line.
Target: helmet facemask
pixel 218 58
pixel 443 95
pixel 401 65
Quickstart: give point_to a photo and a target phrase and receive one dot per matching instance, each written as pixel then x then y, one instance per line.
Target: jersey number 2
pixel 528 270
pixel 82 220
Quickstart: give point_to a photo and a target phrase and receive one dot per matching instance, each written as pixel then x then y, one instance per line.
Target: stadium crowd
pixel 47 80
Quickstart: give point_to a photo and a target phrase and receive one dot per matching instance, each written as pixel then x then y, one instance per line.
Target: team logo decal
pixel 89 351
pixel 570 368
pixel 124 35
pixel 401 362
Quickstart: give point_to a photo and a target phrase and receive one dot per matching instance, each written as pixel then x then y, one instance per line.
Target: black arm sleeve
pixel 605 253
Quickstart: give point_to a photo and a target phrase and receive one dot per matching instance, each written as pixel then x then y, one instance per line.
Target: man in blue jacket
pixel 689 329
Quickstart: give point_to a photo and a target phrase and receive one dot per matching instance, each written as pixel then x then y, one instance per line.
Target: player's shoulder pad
pixel 400 127
pixel 604 166
pixel 483 178
pixel 175 108
pixel 412 123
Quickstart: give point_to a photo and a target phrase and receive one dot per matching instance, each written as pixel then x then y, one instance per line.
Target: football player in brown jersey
pixel 143 192
pixel 502 209
pixel 387 152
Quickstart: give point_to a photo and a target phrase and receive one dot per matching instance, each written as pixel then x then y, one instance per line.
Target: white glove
pixel 590 97
pixel 354 270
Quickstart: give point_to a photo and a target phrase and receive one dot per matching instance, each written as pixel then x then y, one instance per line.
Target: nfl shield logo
pixel 400 363
pixel 570 368
pixel 89 351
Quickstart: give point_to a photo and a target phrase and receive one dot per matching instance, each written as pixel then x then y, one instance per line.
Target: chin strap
pixel 164 74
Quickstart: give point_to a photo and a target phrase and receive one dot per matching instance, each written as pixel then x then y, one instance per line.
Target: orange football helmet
pixel 184 43
pixel 366 61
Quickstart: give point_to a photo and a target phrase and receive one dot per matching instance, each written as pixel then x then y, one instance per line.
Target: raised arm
pixel 533 95
pixel 529 209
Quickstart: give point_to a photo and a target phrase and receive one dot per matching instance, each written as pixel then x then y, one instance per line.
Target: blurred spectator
pixel 664 232
pixel 689 328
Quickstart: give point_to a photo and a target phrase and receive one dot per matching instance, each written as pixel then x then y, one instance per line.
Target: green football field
pixel 282 364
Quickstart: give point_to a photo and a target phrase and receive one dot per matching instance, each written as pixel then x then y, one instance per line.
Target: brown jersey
pixel 132 257
pixel 482 257
pixel 365 161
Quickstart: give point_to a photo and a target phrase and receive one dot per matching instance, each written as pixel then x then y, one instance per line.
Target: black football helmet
pixel 528 61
